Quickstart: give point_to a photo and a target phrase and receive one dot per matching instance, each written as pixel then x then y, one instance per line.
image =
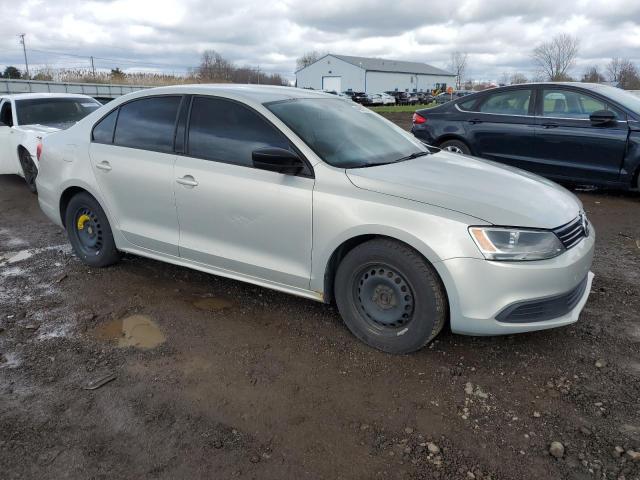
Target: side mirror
pixel 602 117
pixel 277 160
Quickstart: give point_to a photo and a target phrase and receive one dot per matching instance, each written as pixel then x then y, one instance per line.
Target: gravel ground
pixel 211 378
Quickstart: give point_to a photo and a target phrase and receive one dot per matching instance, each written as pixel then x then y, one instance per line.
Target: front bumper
pixel 480 291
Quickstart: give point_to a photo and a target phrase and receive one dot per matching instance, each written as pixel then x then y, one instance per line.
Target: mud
pixel 242 382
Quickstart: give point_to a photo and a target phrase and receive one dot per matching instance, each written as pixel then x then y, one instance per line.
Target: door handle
pixel 550 125
pixel 187 180
pixel 474 121
pixel 104 166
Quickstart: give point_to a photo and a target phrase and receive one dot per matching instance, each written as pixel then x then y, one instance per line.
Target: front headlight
pixel 500 243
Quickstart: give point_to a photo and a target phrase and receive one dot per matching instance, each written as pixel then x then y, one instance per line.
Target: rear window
pixel 54 111
pixel 148 123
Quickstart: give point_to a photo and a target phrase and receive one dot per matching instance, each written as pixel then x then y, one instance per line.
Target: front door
pixel 233 216
pixel 569 146
pixel 134 170
pixel 502 128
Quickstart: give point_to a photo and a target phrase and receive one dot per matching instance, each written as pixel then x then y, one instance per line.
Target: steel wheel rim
pixel 453 149
pixel 384 297
pixel 88 231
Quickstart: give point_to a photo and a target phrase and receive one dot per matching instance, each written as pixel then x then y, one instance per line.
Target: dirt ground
pixel 212 378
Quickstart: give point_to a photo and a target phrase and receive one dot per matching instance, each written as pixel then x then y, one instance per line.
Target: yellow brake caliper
pixel 82 220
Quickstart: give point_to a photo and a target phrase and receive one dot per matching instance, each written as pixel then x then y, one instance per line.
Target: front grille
pixel 571 233
pixel 543 309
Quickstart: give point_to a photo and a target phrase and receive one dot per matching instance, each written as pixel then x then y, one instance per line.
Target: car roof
pixel 254 93
pixel 28 96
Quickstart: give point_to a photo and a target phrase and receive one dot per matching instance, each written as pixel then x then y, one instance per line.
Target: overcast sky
pixel 170 35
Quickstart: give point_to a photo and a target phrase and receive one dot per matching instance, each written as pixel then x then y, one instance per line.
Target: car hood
pixel 489 191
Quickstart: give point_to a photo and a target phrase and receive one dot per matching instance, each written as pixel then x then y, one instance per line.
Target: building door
pixel 332 84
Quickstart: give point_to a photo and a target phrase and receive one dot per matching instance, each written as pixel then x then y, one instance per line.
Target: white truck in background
pixel 26 118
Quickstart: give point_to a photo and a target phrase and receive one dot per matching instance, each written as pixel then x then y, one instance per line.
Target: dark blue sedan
pixel 577 133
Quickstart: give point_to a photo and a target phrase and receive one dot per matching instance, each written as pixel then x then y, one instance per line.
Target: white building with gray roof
pixel 341 73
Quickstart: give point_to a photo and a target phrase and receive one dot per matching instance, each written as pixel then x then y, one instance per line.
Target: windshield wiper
pixel 411 157
pixel 401 159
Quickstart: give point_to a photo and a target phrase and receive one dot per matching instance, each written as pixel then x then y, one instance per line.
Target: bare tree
pixel 556 57
pixel 592 74
pixel 613 69
pixel 629 78
pixel 517 78
pixel 307 59
pixel 458 66
pixel 214 67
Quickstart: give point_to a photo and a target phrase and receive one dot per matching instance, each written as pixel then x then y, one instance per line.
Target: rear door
pixel 133 165
pixel 501 127
pixel 570 147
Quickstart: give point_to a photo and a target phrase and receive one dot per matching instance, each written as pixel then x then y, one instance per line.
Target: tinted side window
pixel 513 102
pixel 103 130
pixel 5 114
pixel 148 123
pixel 228 132
pixel 570 104
pixel 468 105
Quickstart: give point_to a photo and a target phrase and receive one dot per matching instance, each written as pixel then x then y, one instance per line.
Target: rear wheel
pixel 455 146
pixel 29 169
pixel 89 231
pixel 390 297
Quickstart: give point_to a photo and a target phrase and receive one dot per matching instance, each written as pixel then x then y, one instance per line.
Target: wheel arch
pixel 453 136
pixel 349 244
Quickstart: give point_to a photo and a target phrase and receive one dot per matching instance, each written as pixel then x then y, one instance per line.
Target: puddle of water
pixel 213 304
pixel 133 331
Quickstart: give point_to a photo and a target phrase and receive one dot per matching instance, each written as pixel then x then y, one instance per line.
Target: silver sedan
pixel 305 193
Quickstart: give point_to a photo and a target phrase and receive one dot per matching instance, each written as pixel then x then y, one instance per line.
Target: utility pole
pixel 258 69
pixel 93 67
pixel 24 50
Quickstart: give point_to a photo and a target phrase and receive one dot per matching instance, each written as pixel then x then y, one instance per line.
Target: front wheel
pixel 390 297
pixel 29 170
pixel 89 231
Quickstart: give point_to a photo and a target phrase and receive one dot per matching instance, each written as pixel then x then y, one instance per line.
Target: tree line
pixel 213 68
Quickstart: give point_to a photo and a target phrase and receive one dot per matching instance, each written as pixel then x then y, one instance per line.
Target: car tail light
pixel 418 119
pixel 39 151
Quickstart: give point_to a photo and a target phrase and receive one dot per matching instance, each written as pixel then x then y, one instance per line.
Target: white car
pixel 305 193
pixel 382 99
pixel 26 118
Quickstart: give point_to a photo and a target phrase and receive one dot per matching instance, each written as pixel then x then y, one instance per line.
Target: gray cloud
pixel 499 35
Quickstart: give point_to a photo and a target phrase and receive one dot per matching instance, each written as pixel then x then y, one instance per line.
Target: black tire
pixel 29 170
pixel 390 297
pixel 89 231
pixel 456 146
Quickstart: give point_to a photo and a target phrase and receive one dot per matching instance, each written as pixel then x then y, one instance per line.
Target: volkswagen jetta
pixel 305 193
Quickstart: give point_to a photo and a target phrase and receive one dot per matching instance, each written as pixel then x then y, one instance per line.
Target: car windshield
pixel 54 111
pixel 624 98
pixel 344 134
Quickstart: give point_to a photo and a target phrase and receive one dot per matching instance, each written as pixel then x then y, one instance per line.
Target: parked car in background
pixel 413 98
pixel 571 132
pixel 361 98
pixel 425 97
pixel 26 118
pixel 422 239
pixel 382 99
pixel 402 98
